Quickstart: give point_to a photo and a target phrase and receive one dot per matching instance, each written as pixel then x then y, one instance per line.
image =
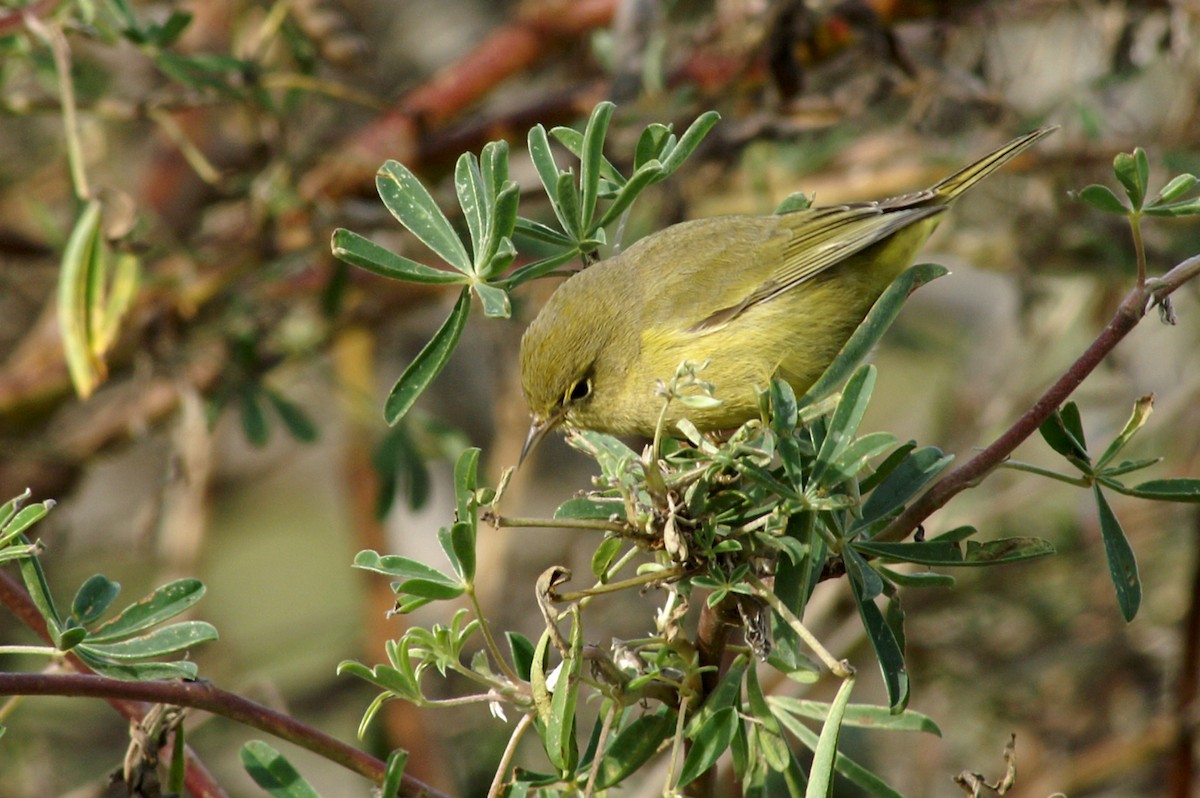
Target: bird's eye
pixel 580 390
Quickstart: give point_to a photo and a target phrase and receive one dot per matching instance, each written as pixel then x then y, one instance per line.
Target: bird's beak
pixel 537 430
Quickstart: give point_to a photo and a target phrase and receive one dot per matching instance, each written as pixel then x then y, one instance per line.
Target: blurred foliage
pixel 164 245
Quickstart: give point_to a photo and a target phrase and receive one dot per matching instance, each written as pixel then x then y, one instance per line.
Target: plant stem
pixel 649 577
pixel 837 667
pixel 562 523
pixel 509 750
pixel 203 695
pixel 53 36
pixel 488 639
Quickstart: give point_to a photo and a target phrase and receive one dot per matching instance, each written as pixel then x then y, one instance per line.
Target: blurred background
pixel 237 434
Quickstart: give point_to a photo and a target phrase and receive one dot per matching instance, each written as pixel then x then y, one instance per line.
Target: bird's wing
pixel 821 238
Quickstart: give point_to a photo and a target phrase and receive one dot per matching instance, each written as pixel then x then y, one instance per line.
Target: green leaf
pixel 887 649
pixel 1122 565
pixel 393 773
pixel 94 598
pixel 137 671
pixel 163 604
pixel 853 772
pixel 872 328
pixel 495 301
pixel 1057 430
pixel 865 716
pixel 536 232
pixel 951 553
pixel 820 777
pixel 540 268
pixel 644 177
pixel 1137 419
pixel 428 363
pixel 1133 170
pixel 366 254
pixel 854 457
pixel 783 408
pixel 633 747
pixel 798 201
pixel 689 141
pixel 409 201
pixel 271 771
pixel 889 464
pixel 868 582
pixel 604 555
pixel 1177 489
pixel 412 577
pixel 1073 423
pixel 904 482
pixel 39 592
pixel 591 159
pixel 522 653
pixel 71 637
pixel 160 642
pixel 25 518
pixel 561 745
pixel 650 144
pixel 711 740
pixel 1103 198
pixel 543 162
pixel 1176 188
pixel 254 418
pixel 10 507
pixel 81 270
pixel 590 509
pixel 567 208
pixel 466 481
pixel 844 423
pixel 772 746
pixel 293 417
pixel 1175 209
pixel 474 199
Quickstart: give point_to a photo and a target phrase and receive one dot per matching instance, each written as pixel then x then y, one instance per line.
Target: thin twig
pixel 509 750
pixel 838 667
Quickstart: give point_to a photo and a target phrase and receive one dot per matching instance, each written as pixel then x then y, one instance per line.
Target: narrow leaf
pixel 1137 419
pixel 1103 198
pixel 163 604
pixel 77 276
pixel 366 254
pixel 1176 188
pixel 904 482
pixel 820 777
pixel 591 160
pixel 1122 565
pixel 689 141
pixel 473 199
pixel 428 363
pixel 271 771
pixel 166 640
pixel 634 746
pixel 94 598
pixel 709 742
pixel 393 774
pixel 872 328
pixel 887 650
pixel 410 202
pixel 1178 489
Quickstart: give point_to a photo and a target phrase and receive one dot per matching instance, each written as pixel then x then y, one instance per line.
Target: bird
pixel 754 297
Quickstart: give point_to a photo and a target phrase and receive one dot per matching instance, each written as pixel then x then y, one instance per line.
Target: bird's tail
pixel 957 183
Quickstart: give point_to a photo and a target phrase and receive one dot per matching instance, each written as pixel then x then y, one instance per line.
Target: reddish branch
pixel 125 697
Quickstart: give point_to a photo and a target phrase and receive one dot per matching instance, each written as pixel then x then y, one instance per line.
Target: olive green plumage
pixel 756 296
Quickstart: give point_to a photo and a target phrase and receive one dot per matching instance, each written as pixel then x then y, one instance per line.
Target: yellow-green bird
pixel 756 296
